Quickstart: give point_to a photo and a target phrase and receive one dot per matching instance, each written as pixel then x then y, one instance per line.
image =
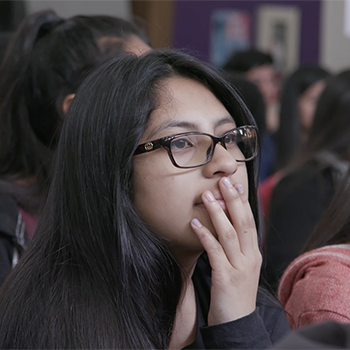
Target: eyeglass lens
pixel 196 149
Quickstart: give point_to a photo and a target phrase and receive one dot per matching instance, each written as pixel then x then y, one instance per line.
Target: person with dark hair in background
pixel 301 197
pixel 300 94
pixel 252 97
pixel 257 67
pixel 46 61
pixel 316 286
pixel 154 166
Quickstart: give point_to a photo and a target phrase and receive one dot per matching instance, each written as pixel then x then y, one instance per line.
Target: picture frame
pixel 278 33
pixel 230 32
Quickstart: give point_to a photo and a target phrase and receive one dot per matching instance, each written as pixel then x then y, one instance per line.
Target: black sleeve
pixel 296 207
pixel 254 331
pixel 266 325
pixel 6 255
pixel 275 321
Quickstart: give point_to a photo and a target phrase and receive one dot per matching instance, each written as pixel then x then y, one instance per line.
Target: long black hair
pixel 243 61
pixel 95 276
pixel 46 60
pixel 330 130
pixel 288 136
pixel 331 127
pixel 334 226
pixel 252 97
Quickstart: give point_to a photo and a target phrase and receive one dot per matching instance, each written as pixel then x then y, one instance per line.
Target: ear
pixel 66 103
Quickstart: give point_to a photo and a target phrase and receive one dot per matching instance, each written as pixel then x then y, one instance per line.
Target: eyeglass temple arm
pixel 148 147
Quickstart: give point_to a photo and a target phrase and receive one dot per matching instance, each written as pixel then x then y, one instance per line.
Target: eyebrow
pixel 187 125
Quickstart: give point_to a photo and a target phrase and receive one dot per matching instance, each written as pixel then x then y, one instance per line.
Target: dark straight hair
pixel 252 97
pixel 334 226
pixel 46 60
pixel 243 61
pixel 95 276
pixel 288 136
pixel 330 129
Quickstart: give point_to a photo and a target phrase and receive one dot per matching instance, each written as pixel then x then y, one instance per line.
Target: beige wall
pixel 334 45
pixel 67 8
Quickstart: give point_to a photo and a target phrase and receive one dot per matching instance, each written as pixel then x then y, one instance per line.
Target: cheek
pixel 164 202
pixel 153 198
pixel 306 112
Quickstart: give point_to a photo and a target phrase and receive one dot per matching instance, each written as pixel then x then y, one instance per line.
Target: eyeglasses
pixel 194 149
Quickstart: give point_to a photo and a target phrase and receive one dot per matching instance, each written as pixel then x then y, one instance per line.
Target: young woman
pixel 299 99
pixel 300 199
pixel 48 58
pixel 155 164
pixel 316 286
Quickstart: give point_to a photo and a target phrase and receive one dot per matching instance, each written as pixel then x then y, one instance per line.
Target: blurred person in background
pixel 300 94
pixel 316 286
pixel 257 67
pixel 252 97
pixel 46 61
pixel 301 197
pixel 299 98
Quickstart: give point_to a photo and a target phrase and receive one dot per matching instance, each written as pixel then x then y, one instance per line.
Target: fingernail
pixel 227 182
pixel 240 189
pixel 209 197
pixel 196 222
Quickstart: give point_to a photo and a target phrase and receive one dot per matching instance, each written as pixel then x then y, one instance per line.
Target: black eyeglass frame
pixel 164 142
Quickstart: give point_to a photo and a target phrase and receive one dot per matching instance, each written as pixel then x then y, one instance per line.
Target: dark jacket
pixel 298 202
pixel 259 330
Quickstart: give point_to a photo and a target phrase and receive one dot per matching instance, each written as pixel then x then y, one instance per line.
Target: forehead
pixel 188 104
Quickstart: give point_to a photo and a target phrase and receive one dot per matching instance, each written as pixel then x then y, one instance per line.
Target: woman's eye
pixel 179 144
pixel 231 138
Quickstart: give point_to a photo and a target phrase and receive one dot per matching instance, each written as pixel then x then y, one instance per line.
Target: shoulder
pixel 318 281
pixel 308 175
pixel 327 262
pixel 307 189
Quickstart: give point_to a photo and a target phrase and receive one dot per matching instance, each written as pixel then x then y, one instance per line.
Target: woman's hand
pixel 234 256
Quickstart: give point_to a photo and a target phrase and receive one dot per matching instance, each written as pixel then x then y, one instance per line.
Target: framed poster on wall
pixel 278 32
pixel 230 32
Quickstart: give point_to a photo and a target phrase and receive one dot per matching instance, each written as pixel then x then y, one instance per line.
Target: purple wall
pixel 192 24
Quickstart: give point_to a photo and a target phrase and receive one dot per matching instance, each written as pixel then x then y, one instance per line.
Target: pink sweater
pixel 316 287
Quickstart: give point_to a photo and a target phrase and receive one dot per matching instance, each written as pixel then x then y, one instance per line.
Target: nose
pixel 222 163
